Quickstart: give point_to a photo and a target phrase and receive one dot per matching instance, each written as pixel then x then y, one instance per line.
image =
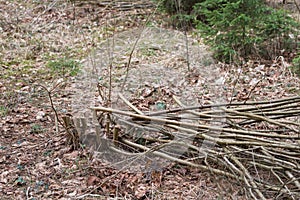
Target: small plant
pixel 65 66
pixel 47 153
pixel 3 111
pixel 296 65
pixel 20 181
pixel 36 128
pixel 148 52
pixel 2 147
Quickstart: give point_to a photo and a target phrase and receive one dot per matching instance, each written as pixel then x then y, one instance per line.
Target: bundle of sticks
pixel 255 143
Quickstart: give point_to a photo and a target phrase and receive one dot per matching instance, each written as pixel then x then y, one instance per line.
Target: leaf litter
pixel 40 165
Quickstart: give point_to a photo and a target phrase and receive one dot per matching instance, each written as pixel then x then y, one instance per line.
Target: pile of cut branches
pixel 255 143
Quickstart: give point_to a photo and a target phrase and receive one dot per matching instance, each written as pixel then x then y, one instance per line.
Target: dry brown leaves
pixel 35 163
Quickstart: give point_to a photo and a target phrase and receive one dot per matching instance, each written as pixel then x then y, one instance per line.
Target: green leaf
pixel 160 106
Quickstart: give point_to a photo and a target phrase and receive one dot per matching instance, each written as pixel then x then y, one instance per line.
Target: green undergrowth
pixel 296 65
pixel 3 111
pixel 36 128
pixel 64 66
pixel 8 101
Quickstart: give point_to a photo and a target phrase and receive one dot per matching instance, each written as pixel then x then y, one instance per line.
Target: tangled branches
pixel 258 143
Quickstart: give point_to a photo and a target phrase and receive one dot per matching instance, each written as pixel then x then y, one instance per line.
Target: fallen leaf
pixel 92 180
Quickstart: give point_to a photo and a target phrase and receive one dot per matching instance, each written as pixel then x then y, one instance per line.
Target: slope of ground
pixel 35 159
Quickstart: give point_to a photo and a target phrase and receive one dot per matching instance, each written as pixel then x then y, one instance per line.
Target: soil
pixel 36 161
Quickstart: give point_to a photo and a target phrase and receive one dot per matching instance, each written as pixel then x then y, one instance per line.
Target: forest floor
pixel 44 45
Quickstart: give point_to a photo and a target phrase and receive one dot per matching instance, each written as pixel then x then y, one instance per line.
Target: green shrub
pixel 241 28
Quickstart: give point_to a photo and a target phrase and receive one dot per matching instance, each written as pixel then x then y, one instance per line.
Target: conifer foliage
pixel 239 29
